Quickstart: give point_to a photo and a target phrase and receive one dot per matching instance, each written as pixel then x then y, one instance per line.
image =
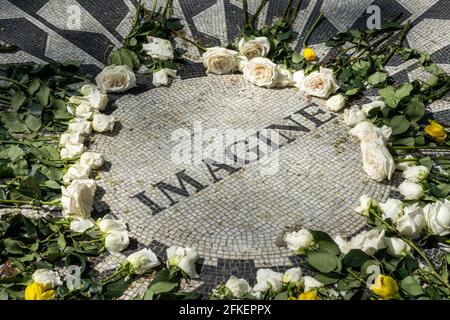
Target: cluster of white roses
pixel 256 68
pixel 378 163
pixel 410 220
pixel 412 188
pixel 145 260
pixel 266 280
pixel 161 49
pixel 78 195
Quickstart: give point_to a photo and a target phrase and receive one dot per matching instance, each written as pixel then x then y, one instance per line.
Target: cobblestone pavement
pixel 233 215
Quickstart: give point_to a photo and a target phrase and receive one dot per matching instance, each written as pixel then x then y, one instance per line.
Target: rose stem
pixel 314 26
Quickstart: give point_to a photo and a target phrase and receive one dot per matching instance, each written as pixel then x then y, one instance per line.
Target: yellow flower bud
pixel 309 295
pixel 35 291
pixel 309 54
pixel 385 287
pixel 436 131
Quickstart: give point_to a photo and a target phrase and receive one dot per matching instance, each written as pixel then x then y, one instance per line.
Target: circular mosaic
pixel 233 211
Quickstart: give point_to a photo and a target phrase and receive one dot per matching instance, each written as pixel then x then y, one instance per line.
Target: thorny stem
pixel 314 26
pixel 13 81
pixel 245 9
pixel 33 202
pixel 257 12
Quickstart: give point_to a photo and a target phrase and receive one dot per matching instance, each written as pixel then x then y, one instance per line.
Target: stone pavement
pixel 233 215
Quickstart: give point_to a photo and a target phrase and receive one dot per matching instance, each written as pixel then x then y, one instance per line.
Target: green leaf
pixel 404 91
pixel 60 109
pixel 411 286
pixel 281 296
pixel 324 262
pixel 124 56
pixel 43 95
pixel 30 188
pixel 399 124
pixel 355 258
pixel 115 289
pixel 388 94
pixel 377 78
pixel 15 152
pixel 17 100
pixel 61 242
pixel 297 58
pixel 415 109
pixel 351 92
pixel 12 246
pixel 33 123
pixel 34 86
pixel 51 184
pixel 163 286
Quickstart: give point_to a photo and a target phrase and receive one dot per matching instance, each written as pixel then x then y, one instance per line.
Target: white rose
pixel 90 96
pixel 47 278
pixel 117 241
pixel 72 151
pixel 84 111
pixel 71 138
pixel 97 99
pixel 292 275
pixel 261 72
pixel 366 132
pixel 392 209
pixel 183 258
pixel 219 60
pixel 257 47
pixel 143 261
pixel 320 83
pixel 158 48
pixel 238 287
pixel 365 203
pixel 284 77
pixel 310 283
pixel 81 224
pixel 416 173
pixel 77 201
pixel 80 126
pixel 378 163
pixel 353 116
pixel 411 223
pixel 299 240
pixel 93 160
pixel 396 247
pixel 90 183
pixel 162 77
pixel 76 171
pixel 102 122
pixel 411 190
pixel 369 241
pixel 108 224
pixel 267 279
pixel 344 245
pixel 438 217
pixel 372 105
pixel 298 77
pixel 336 103
pixel 116 79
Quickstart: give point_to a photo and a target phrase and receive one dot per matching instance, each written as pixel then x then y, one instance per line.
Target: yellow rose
pixel 436 131
pixel 385 287
pixel 35 291
pixel 309 295
pixel 309 54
